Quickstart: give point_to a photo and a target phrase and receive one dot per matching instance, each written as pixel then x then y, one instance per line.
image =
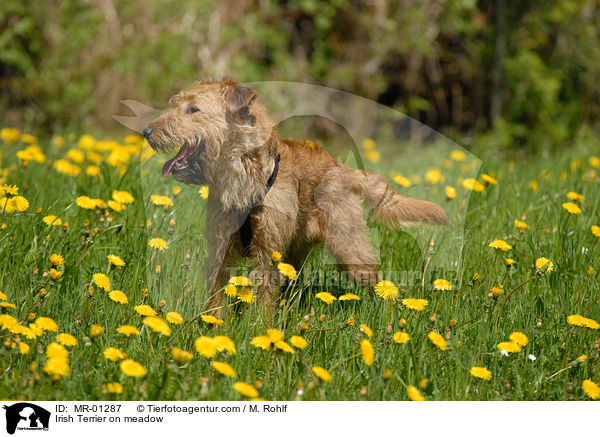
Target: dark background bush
pixel 518 74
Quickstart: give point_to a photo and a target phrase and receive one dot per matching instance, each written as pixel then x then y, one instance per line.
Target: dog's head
pixel 206 124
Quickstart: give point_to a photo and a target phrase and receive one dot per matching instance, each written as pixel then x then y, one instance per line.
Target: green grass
pixel 539 308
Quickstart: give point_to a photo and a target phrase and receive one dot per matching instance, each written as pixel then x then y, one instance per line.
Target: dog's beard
pixel 186 165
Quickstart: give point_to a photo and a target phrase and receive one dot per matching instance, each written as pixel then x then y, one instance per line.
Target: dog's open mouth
pixel 181 160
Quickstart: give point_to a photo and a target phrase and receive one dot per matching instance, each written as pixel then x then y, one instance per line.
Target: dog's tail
pixel 393 208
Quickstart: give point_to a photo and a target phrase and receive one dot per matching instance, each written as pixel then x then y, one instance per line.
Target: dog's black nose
pixel 148 132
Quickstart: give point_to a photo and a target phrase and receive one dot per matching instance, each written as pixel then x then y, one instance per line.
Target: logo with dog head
pixel 26 417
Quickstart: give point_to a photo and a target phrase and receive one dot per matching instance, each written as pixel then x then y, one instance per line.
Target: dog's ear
pixel 238 96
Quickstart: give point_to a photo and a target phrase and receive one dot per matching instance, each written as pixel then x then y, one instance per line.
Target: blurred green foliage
pixel 517 74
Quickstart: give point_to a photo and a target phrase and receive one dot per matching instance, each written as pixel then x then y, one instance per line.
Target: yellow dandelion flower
pixel 572 195
pixel 349 296
pixel 224 343
pixel 57 351
pixel 158 243
pixel 275 335
pixel 458 155
pixel 571 208
pixel 114 387
pixel 298 342
pixel 386 290
pixel 86 202
pixel 321 373
pixel 204 191
pixel 326 297
pixel 284 347
pixel 115 260
pixel 287 270
pixel 211 319
pixel 595 231
pixel 92 170
pixel 161 200
pixel 487 178
pixel 230 290
pixel 368 144
pixel 372 155
pixel 401 337
pixel 240 281
pixel 224 368
pixel 96 331
pixel 276 256
pixel 132 368
pixel 17 203
pixel 52 220
pixel 128 330
pixel 433 176
pixel 145 310
pixel 521 225
pixel 174 318
pixel 245 389
pixel 544 264
pixel 500 245
pixel 180 355
pixel 55 274
pixel 450 192
pixel 366 330
pixel 519 338
pixel 57 260
pixel 122 197
pixel 579 320
pixel 497 290
pixel 442 284
pixel 118 296
pixel 509 261
pixel 47 324
pixel 414 394
pixel 57 367
pixel 437 340
pixel 591 389
pixel 157 325
pixel 367 352
pixel 7 305
pixel 24 348
pixel 113 354
pixel 473 185
pixel 206 346
pixel 66 339
pixel 245 295
pixel 102 281
pixel 481 372
pixel 403 181
pixel 261 341
pixel 415 304
pixel 116 206
pixel 10 135
pixel 509 346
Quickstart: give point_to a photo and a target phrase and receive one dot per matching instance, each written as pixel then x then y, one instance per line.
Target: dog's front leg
pixel 222 252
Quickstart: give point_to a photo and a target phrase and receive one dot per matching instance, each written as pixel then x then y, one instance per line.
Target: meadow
pixel 102 294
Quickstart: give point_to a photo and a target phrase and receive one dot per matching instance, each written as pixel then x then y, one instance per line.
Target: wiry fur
pixel 314 200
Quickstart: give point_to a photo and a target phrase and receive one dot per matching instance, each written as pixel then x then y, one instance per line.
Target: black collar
pixel 246 232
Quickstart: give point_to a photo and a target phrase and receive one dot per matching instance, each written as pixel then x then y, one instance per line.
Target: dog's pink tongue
pixel 182 154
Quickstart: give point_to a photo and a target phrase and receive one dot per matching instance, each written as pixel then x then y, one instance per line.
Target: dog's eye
pixel 191 110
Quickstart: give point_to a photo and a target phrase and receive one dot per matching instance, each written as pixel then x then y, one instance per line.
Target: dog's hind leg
pixel 347 239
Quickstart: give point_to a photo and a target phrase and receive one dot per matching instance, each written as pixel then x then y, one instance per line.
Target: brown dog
pixel 269 194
